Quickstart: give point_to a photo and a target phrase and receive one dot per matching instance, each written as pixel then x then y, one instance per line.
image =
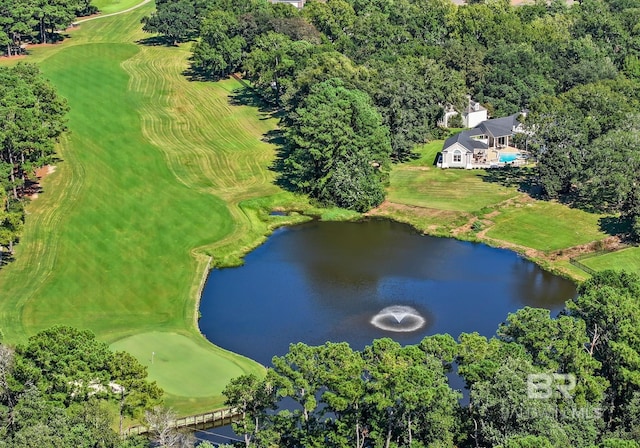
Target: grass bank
pixel 628 259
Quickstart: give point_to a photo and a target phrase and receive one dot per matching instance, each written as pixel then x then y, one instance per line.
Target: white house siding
pixel 448 157
pixel 474 118
pixel 297 3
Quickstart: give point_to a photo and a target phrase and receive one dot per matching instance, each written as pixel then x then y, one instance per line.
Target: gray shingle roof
pixel 496 127
pixel 472 108
pixel 499 127
pixel 464 138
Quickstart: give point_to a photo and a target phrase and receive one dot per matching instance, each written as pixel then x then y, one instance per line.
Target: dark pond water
pixel 327 281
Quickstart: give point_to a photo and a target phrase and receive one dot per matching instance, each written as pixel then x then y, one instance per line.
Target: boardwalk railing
pixel 207 420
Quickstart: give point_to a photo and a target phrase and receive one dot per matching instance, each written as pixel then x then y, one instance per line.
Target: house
pixel 448 112
pixel 473 114
pixel 487 145
pixel 297 3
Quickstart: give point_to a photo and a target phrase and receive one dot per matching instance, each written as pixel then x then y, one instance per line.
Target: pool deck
pixel 493 158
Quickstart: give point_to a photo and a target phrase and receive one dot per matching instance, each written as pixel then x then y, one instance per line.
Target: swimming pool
pixel 506 158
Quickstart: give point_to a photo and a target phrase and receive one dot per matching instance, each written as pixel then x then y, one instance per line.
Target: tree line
pixel 387 395
pixel 32 118
pixel 28 21
pixel 65 388
pixel 342 155
pixel 570 66
pixel 587 141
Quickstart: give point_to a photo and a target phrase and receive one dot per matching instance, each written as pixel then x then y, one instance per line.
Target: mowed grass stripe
pixel 511 217
pixel 546 226
pixel 37 251
pixel 456 190
pixel 119 235
pixel 419 183
pixel 198 130
pixel 209 144
pixel 124 28
pixel 131 228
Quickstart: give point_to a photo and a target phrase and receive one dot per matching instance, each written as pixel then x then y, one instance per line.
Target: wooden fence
pixel 207 420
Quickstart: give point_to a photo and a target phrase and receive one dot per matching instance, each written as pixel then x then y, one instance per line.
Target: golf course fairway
pixel 158 177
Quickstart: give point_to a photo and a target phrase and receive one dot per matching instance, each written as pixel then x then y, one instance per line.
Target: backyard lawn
pixel 546 226
pixel 442 201
pixel 419 183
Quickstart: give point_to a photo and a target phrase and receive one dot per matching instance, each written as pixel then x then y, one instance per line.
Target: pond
pixel 354 282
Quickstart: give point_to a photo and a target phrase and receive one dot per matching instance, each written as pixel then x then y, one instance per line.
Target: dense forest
pixel 576 69
pixel 32 118
pixel 33 21
pixel 541 382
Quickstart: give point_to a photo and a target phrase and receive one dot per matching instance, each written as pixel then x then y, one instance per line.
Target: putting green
pixel 181 366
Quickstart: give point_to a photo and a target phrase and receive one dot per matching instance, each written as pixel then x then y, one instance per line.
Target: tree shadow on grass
pixel 57 37
pixel 524 179
pixel 244 96
pixel 154 41
pixel 5 259
pixel 194 74
pixel 31 187
pixel 617 226
pixel 247 96
pixel 277 138
pixel 435 158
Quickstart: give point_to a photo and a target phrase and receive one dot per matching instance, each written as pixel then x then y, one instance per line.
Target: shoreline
pixel 542 260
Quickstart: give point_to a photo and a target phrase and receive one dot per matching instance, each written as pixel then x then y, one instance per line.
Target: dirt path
pixel 112 14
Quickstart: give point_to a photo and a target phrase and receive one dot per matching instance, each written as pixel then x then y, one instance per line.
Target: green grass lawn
pixel 628 259
pixel 111 6
pixel 171 357
pixel 546 226
pixel 419 183
pixel 131 226
pixel 157 174
pixel 445 202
